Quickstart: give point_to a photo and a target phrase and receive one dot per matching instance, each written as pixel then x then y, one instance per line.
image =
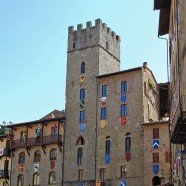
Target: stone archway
pixel 156 181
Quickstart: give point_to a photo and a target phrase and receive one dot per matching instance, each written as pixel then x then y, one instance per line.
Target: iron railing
pixel 29 142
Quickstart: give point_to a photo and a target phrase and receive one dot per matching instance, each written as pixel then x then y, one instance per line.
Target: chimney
pixel 145 65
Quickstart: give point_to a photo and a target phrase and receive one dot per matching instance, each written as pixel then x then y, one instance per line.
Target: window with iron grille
pixel 104 113
pixel 105 90
pixel 155 133
pixel 123 86
pixel 155 157
pixel 80 156
pixel 82 116
pixel 123 111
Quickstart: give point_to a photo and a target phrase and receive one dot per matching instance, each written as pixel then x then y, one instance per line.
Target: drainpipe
pixel 96 140
pixel 63 164
pixel 169 102
pixel 167 56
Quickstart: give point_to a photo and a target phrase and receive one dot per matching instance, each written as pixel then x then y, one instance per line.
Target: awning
pixel 179 133
pixel 164 20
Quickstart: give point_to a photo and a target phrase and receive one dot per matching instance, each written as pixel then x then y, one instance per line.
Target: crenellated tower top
pixel 98 35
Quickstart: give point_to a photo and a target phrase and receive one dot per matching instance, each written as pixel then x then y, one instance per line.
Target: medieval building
pixel 106 113
pixel 172 21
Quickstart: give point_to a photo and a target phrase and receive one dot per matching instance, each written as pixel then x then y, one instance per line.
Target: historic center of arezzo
pixel 93 93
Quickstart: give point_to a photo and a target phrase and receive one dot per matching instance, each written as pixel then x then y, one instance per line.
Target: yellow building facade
pixel 5 162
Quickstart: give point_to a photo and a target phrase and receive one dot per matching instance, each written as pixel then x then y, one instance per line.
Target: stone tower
pixel 92 51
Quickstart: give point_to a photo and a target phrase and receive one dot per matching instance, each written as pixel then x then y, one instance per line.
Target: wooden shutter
pixel 155 133
pixel 156 157
pixel 167 157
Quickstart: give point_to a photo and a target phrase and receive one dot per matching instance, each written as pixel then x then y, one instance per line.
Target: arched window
pixel 36 179
pixel 80 141
pixel 107 145
pixel 37 156
pixel 79 155
pixel 74 44
pixel 52 177
pixel 82 67
pixel 21 158
pixel 20 180
pixel 53 154
pixel 128 142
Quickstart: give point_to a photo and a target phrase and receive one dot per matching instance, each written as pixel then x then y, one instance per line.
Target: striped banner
pixel 128 156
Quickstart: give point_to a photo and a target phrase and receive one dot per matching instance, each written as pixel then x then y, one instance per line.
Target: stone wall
pixel 164 167
pixel 99 48
pixel 44 166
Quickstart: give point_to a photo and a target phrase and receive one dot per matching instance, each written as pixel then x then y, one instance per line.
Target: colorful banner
pixel 103 123
pixel 123 120
pixel 82 78
pixel 36 167
pixel 128 156
pixel 155 168
pixel 52 164
pixel 123 98
pixel 103 100
pixel 156 144
pixel 107 158
pixel 82 127
pixel 38 132
pixel 20 166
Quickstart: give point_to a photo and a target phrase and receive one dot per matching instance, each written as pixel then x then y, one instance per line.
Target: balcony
pixel 30 142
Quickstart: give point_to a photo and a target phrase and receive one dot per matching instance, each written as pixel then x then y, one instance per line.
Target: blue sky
pixel 33 46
